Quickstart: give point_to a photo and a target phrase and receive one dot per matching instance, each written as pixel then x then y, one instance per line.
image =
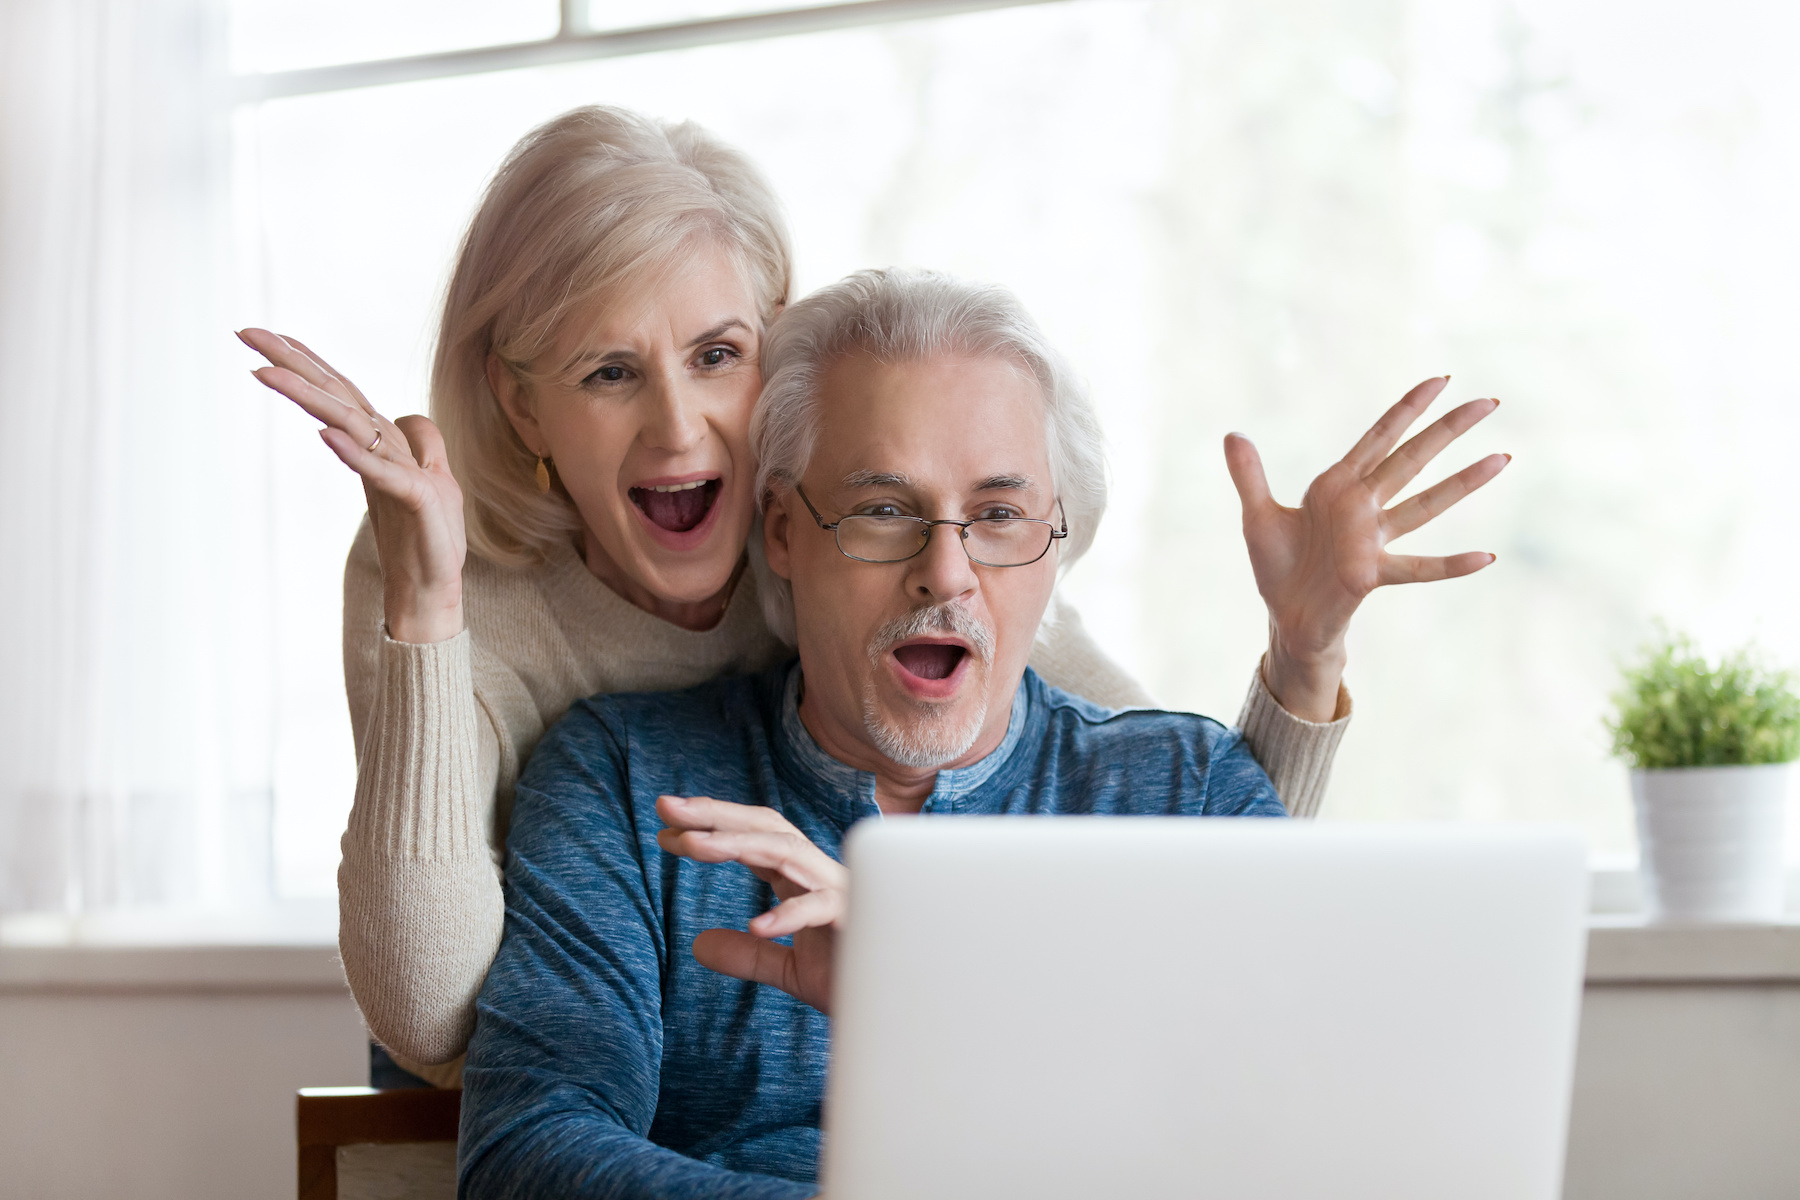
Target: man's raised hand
pixel 1314 564
pixel 812 886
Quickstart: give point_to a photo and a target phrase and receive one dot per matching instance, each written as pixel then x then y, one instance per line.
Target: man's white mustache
pixel 939 618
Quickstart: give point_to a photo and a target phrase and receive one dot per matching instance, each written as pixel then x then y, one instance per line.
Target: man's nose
pixel 674 422
pixel 942 571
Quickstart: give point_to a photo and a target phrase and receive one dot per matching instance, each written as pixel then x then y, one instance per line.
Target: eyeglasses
pixel 990 541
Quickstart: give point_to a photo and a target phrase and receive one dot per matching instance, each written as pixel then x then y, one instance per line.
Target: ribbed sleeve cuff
pixel 417 787
pixel 1296 753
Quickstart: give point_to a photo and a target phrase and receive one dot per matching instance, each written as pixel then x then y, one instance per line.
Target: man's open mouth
pixel 677 507
pixel 930 660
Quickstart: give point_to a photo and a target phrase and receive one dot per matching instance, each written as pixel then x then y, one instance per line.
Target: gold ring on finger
pixel 376 442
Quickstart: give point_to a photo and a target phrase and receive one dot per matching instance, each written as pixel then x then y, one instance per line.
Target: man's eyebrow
pixel 719 330
pixel 1006 483
pixel 869 479
pixel 993 483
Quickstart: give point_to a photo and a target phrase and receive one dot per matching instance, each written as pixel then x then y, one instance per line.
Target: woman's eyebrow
pixel 719 330
pixel 622 352
pixel 587 357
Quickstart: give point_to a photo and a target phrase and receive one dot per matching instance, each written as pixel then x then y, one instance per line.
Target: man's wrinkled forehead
pixel 884 422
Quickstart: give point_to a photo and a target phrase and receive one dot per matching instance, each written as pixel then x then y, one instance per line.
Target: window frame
pixel 576 40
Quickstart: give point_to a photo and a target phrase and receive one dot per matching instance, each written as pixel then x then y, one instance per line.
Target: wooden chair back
pixel 326 1118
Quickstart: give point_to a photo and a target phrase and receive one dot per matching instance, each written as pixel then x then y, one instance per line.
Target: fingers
pixel 323 406
pixel 808 910
pixel 1399 468
pixel 335 374
pixel 703 812
pixel 424 439
pixel 387 475
pixel 745 956
pixel 280 352
pixel 1246 468
pixel 294 355
pixel 1401 568
pixel 1407 516
pixel 789 854
pixel 1385 433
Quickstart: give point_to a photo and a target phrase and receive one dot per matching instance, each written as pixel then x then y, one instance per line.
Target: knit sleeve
pixel 1067 658
pixel 1296 753
pixel 419 899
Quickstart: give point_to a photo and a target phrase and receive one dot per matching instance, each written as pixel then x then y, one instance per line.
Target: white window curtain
pixel 135 688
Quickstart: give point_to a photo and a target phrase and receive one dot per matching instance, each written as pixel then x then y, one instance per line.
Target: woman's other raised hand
pixel 414 503
pixel 1314 564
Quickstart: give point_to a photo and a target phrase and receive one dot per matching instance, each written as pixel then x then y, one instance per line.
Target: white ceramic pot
pixel 1710 844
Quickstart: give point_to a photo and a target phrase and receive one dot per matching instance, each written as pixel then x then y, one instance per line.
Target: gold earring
pixel 543 476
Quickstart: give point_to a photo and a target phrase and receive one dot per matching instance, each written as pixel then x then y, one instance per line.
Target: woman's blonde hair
pixel 595 200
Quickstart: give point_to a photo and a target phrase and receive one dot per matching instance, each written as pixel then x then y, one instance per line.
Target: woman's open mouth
pixel 677 507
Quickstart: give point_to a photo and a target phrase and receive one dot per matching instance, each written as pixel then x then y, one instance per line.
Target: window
pixel 1271 217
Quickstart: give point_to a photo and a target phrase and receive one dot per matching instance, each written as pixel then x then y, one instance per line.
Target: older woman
pixel 575 521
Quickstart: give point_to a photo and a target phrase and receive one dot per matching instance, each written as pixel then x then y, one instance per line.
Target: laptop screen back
pixel 1149 1007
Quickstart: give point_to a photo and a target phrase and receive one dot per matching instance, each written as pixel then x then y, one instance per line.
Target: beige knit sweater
pixel 442 731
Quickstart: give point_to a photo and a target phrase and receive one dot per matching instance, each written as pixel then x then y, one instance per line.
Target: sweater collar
pixel 955 788
pixel 603 624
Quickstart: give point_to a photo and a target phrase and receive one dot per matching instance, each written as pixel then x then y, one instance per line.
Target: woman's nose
pixel 674 423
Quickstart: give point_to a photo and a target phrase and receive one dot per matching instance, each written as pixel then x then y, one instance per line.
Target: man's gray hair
pixel 895 316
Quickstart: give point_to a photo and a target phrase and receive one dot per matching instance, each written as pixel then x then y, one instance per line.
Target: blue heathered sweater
pixel 606 1062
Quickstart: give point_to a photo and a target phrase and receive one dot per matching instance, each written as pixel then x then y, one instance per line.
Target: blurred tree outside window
pixel 1270 217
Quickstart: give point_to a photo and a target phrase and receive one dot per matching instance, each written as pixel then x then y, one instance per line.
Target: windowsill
pixel 278 923
pixel 165 970
pixel 289 947
pixel 1622 951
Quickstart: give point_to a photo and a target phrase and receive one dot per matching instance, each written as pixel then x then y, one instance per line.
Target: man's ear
pixel 778 526
pixel 516 405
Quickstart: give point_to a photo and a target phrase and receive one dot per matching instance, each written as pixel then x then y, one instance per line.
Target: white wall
pixel 1687 1090
pixel 172 1075
pixel 140 1090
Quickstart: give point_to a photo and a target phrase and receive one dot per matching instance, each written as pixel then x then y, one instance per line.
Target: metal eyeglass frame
pixel 962 529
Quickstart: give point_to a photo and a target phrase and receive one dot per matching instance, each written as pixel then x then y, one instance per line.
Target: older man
pixel 927 467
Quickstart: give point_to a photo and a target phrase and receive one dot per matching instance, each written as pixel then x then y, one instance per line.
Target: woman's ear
pixel 515 404
pixel 777 527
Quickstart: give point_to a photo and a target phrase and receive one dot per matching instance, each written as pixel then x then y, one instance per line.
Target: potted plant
pixel 1709 747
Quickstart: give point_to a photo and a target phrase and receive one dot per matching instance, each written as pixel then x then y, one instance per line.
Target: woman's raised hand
pixel 414 503
pixel 1314 564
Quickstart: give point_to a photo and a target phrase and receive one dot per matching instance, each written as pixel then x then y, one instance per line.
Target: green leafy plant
pixel 1676 710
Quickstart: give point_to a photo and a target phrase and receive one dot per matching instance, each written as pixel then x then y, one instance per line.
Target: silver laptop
pixel 1146 1007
